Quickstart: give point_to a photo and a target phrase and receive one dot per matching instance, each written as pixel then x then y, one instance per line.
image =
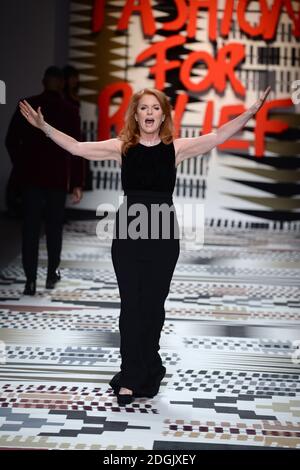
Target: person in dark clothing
pixel 71 85
pixel 148 155
pixel 45 173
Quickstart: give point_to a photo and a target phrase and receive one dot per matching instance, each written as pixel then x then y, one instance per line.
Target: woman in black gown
pixel 144 263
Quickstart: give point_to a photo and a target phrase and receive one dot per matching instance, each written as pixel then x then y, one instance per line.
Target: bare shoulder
pixel 190 147
pixel 179 149
pixel 117 143
pixel 183 143
pixel 176 143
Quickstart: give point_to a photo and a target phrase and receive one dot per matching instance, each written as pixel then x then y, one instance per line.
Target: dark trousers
pixel 144 270
pixel 39 203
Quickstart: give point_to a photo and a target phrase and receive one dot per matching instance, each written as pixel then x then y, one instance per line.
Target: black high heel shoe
pixel 124 398
pixel 30 288
pixel 52 279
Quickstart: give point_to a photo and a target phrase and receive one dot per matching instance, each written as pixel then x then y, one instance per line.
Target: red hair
pixel 130 133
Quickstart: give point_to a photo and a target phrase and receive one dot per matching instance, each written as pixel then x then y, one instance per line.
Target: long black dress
pixel 144 266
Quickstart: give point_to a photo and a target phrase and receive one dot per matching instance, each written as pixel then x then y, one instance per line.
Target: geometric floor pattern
pixel 230 344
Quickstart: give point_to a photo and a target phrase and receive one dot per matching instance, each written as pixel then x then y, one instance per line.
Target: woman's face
pixel 149 114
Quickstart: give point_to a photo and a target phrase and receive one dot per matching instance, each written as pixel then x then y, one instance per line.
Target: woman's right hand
pixel 35 118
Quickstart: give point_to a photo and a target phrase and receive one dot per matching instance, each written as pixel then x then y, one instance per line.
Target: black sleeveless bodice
pixel 149 168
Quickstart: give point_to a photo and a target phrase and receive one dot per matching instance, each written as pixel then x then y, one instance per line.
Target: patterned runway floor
pixel 230 344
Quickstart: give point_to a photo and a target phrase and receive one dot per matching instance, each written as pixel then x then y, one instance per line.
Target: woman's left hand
pixel 258 104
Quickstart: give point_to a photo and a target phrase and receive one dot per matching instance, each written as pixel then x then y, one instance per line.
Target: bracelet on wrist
pixel 48 130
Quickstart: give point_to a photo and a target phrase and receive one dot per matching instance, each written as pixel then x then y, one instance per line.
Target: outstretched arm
pixel 103 150
pixel 192 147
